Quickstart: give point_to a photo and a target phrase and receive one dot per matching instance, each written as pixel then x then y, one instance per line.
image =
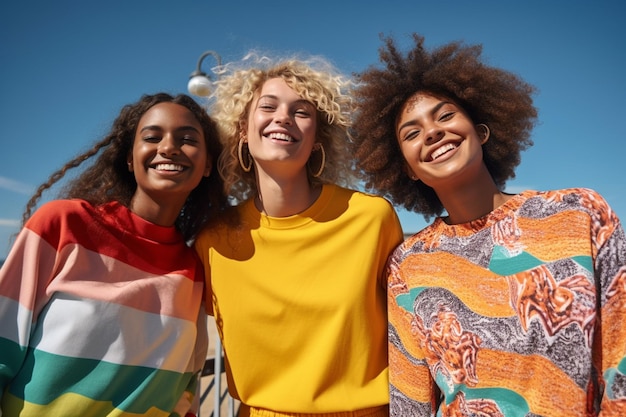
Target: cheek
pixel 252 129
pixel 255 120
pixel 198 155
pixel 407 150
pixel 308 128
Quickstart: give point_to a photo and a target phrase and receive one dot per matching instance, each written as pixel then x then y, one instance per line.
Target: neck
pixel 471 201
pixel 163 213
pixel 285 197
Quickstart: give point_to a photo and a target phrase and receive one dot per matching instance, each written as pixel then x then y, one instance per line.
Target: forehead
pixel 278 87
pixel 162 114
pixel 421 98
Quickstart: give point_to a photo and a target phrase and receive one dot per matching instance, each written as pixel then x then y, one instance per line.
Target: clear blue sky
pixel 67 67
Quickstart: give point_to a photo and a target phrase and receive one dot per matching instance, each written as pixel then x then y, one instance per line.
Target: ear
pixel 208 168
pixel 410 172
pixel 129 162
pixel 243 130
pixel 483 132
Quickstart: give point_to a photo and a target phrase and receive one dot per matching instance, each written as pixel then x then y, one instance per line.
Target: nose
pixel 168 145
pixel 434 133
pixel 282 116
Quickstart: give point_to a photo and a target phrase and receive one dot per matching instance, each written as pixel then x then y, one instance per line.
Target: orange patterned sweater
pixel 519 313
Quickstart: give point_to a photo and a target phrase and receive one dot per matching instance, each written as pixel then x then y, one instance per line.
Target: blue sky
pixel 67 67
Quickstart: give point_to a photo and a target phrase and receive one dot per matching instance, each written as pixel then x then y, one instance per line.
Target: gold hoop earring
pixel 320 147
pixel 240 155
pixel 486 132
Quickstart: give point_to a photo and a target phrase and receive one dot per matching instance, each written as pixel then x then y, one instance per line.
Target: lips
pixel 169 167
pixel 281 137
pixel 442 150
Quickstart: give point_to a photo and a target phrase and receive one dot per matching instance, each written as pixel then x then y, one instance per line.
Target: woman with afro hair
pixel 505 304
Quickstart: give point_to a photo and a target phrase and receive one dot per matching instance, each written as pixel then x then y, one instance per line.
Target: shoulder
pixel 587 195
pixel 65 206
pixel 55 221
pixel 363 198
pixel 204 236
pixel 571 202
pixel 232 221
pixel 426 235
pixel 573 197
pixel 58 210
pixel 369 209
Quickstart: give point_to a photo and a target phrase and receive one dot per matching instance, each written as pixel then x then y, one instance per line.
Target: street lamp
pixel 200 82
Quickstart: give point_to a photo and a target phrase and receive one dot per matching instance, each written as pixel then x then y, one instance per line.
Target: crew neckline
pixel 125 219
pixel 490 218
pixel 296 220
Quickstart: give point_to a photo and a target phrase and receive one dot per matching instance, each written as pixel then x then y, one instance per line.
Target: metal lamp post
pixel 200 83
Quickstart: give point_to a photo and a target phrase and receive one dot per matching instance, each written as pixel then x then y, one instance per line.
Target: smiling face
pixel 438 140
pixel 169 155
pixel 281 127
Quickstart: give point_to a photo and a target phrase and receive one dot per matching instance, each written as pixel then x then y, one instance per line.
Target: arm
pixel 609 343
pixel 23 278
pixel 201 246
pixel 390 237
pixel 412 390
pixel 189 403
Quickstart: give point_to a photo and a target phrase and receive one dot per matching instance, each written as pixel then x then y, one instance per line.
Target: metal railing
pixel 213 370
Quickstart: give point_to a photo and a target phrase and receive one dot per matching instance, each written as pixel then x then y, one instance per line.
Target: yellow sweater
pixel 300 303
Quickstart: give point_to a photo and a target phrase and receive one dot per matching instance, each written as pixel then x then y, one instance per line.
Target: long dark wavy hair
pixel 108 178
pixel 495 97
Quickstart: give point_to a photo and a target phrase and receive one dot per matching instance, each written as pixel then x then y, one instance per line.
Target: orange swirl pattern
pixel 501 316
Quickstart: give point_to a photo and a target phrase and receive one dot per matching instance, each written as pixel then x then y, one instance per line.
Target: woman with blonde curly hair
pixel 296 286
pixel 506 304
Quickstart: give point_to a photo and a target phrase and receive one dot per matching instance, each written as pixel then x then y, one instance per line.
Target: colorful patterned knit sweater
pixel 100 315
pixel 519 313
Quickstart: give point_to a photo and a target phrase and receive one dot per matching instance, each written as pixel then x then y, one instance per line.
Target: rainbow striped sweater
pixel 100 315
pixel 519 313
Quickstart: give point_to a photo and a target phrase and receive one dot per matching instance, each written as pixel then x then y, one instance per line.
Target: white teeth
pixel 169 167
pixel 442 150
pixel 281 136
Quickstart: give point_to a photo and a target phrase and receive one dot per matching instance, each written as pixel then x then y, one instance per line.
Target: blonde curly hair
pixel 315 80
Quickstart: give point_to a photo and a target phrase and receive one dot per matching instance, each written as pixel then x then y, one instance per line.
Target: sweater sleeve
pixel 412 390
pixel 609 243
pixel 200 353
pixel 23 278
pixel 201 245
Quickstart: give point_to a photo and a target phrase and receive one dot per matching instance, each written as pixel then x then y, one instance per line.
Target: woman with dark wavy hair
pixel 506 304
pixel 101 295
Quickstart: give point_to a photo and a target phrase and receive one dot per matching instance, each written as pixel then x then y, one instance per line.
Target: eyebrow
pixel 302 100
pixel 435 109
pixel 159 128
